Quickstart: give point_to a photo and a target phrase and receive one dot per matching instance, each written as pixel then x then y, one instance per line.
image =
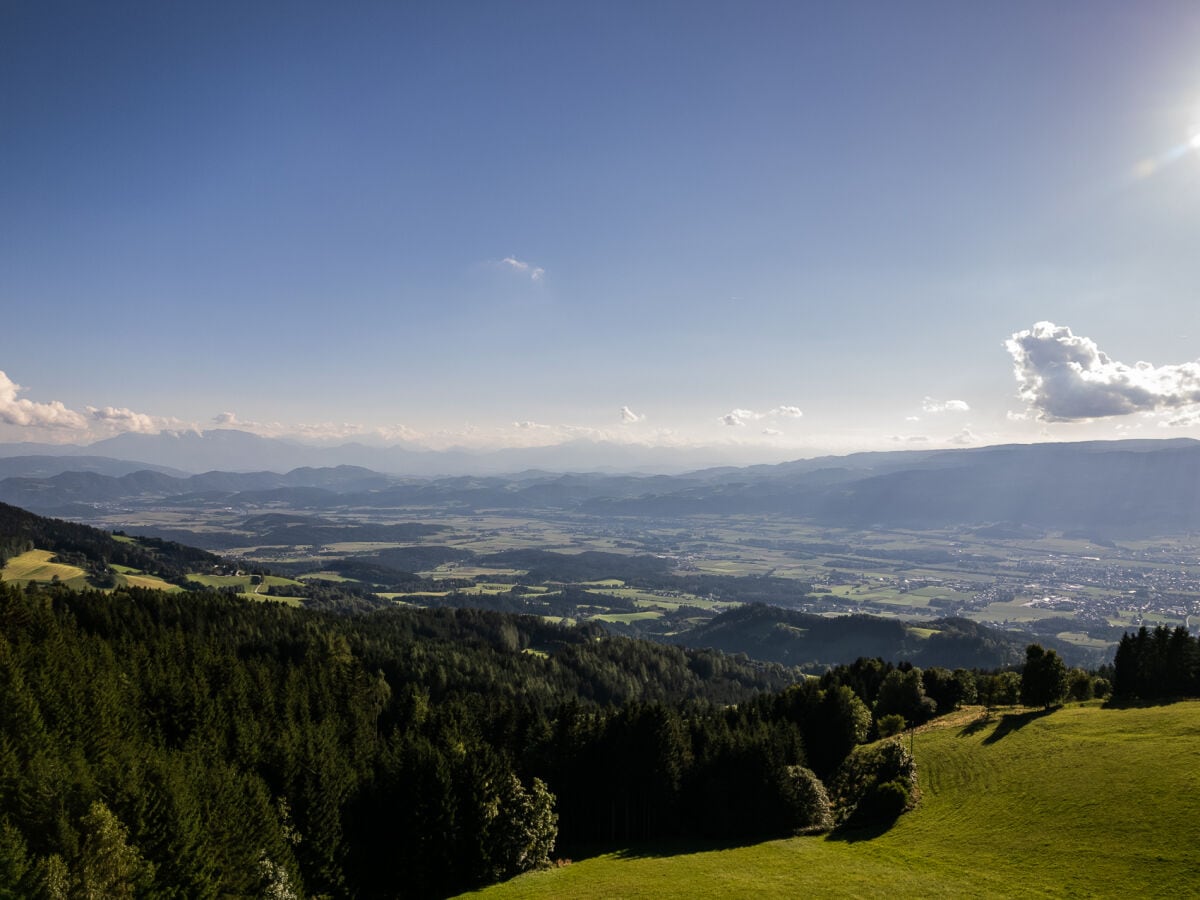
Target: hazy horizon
pixel 775 231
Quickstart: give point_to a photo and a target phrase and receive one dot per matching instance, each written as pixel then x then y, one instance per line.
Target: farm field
pixel 1081 801
pixel 1047 585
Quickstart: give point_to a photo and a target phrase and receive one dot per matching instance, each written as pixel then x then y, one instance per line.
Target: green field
pixel 1079 802
pixel 244 581
pixel 129 577
pixel 36 565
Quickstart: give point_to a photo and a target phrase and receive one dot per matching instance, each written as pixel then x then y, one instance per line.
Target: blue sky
pixel 798 227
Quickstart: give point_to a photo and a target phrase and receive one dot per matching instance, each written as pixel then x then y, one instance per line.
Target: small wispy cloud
pixel 930 405
pixel 739 417
pixel 629 417
pixel 1064 377
pixel 535 273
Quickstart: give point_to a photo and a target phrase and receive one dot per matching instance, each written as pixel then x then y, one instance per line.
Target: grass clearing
pixel 1078 802
pixel 146 581
pixel 37 565
pixel 244 581
pixel 627 617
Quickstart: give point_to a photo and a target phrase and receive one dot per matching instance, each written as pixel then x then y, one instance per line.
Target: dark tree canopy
pixel 1044 678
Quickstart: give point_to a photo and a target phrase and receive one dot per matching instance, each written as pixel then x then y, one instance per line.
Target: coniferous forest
pixel 194 745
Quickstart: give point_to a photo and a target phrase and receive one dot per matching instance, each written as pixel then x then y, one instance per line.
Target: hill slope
pixel 1082 801
pixel 93 549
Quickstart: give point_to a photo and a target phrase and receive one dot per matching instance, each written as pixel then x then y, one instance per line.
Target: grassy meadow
pixel 1078 802
pixel 36 565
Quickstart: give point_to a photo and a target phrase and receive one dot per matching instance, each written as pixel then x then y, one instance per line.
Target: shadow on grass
pixel 1139 703
pixel 666 848
pixel 1011 722
pixel 852 834
pixel 977 725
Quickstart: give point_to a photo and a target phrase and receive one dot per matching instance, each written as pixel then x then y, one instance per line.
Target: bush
pixel 811 810
pixel 882 804
pixel 891 725
pixel 861 779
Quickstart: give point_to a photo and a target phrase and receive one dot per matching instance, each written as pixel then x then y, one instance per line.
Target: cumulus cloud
pixel 16 410
pixel 629 417
pixel 964 437
pixel 930 405
pixel 738 417
pixel 225 419
pixel 1065 377
pixel 535 273
pixel 124 419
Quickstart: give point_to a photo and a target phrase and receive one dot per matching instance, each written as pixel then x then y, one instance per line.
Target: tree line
pixel 1157 664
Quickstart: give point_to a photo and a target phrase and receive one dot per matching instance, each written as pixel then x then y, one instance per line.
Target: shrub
pixel 811 810
pixel 883 803
pixel 860 781
pixel 891 725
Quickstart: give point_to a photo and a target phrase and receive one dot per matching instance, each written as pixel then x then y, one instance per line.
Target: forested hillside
pixel 94 549
pixel 193 745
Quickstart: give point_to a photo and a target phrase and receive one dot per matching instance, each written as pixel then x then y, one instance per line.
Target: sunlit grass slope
pixel 36 565
pixel 1079 802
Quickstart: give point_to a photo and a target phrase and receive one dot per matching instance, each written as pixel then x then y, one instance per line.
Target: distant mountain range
pixel 231 450
pixel 1100 489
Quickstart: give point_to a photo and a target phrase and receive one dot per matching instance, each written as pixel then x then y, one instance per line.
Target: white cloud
pixel 912 418
pixel 17 411
pixel 123 419
pixel 225 419
pixel 1067 378
pixel 964 437
pixel 737 417
pixel 535 273
pixel 629 417
pixel 930 405
pixel 772 432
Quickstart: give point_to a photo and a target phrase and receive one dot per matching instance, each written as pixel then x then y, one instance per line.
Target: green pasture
pixel 453 570
pixel 37 565
pixel 1078 802
pixel 147 581
pixel 627 617
pixel 328 576
pixel 1082 639
pixel 243 581
pixel 1013 611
